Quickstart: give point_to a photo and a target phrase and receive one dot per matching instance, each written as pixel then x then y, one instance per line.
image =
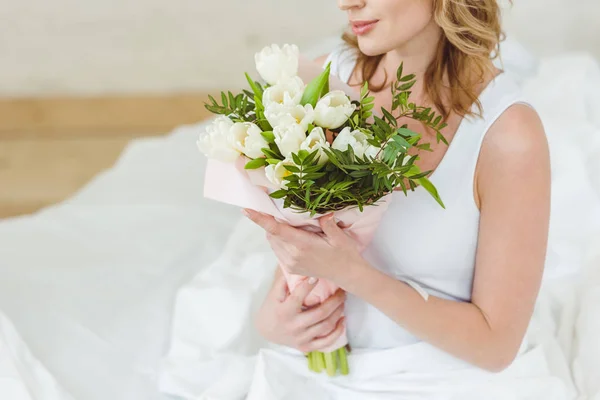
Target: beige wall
pixel 114 46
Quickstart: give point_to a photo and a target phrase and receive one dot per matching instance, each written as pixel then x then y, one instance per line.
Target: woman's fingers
pixel 327 326
pixel 300 293
pixel 322 342
pixel 280 287
pixel 321 312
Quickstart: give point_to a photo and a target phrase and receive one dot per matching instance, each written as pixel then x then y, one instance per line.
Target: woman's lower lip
pixel 363 29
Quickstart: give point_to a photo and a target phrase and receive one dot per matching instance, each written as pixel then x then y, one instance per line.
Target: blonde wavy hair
pixel 472 33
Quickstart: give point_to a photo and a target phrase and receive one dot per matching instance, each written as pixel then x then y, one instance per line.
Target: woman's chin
pixel 371 47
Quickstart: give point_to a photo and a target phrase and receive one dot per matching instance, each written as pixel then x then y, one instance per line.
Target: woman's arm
pixel 514 189
pixel 513 185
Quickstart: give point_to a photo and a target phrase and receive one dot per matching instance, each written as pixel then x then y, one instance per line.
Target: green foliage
pixel 347 179
pixel 317 88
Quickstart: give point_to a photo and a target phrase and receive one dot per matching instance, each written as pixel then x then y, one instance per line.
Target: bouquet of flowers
pixel 299 151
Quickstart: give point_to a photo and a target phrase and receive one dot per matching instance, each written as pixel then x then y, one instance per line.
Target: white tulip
pixel 333 110
pixel 355 139
pixel 288 138
pixel 276 173
pixel 240 133
pixel 316 140
pixel 288 93
pixel 255 142
pixel 372 151
pixel 275 64
pixel 214 143
pixel 278 115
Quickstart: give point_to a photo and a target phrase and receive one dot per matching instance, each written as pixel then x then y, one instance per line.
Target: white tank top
pixel 418 240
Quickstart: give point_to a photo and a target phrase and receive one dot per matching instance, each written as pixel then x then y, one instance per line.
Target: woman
pixel 480 260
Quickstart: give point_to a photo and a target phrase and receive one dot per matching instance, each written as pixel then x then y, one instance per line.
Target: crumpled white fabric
pixel 89 283
pixel 22 376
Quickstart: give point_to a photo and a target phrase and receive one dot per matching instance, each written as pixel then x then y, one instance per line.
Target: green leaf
pixel 407 86
pixel 401 141
pixel 407 78
pixel 224 99
pixel 292 168
pixel 315 88
pixel 427 185
pixel 389 117
pixel 403 186
pixel 441 137
pixel 381 124
pixel 313 176
pixel 256 163
pixel 425 147
pixel 269 137
pixel 360 174
pixel 279 194
pixel 257 91
pixel 270 153
pixel 302 154
pixel 310 158
pixel 364 90
pixel 296 159
pixel 272 161
pixel 407 132
pixel 399 71
pixel 420 175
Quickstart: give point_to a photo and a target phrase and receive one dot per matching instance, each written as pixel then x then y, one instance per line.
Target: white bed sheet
pixel 87 286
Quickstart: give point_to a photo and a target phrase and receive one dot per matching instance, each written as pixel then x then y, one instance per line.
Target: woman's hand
pixel 281 318
pixel 329 255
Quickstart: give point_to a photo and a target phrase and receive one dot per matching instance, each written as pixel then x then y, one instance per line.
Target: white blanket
pixel 87 286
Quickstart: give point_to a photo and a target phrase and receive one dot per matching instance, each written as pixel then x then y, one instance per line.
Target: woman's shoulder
pixel 514 155
pixel 518 131
pixel 517 139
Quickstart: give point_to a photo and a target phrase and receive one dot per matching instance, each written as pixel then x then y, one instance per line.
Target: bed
pixel 91 288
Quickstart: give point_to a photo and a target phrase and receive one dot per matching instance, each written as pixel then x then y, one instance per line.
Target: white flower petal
pixel 255 142
pixel 280 115
pixel 316 140
pixel 355 139
pixel 333 110
pixel 214 142
pixel 288 138
pixel 286 93
pixel 276 173
pixel 275 64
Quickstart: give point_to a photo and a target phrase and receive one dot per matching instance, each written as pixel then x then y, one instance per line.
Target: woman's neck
pixel 416 55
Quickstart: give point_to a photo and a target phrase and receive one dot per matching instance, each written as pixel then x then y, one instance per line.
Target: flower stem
pixel 343 361
pixel 320 361
pixel 310 361
pixel 330 363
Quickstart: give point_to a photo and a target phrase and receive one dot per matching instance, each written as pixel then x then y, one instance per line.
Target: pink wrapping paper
pixel 230 183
